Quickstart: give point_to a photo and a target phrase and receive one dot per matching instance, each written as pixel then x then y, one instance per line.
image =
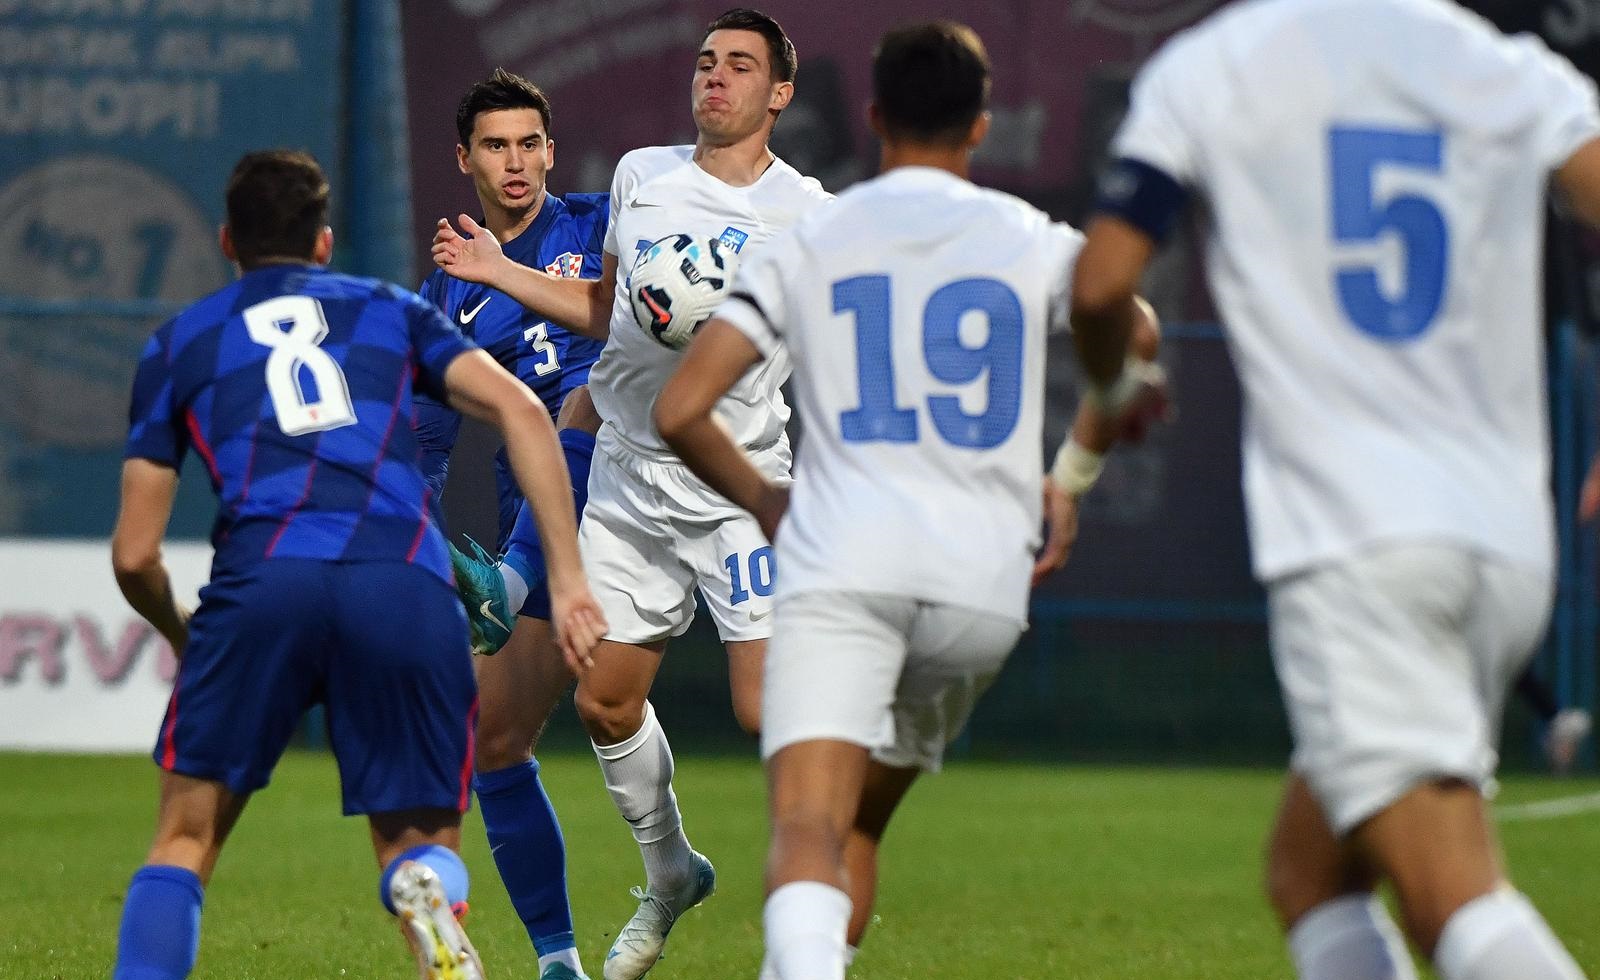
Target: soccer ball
pixel 677 283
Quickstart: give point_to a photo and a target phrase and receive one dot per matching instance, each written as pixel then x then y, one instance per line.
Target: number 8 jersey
pixel 294 387
pixel 1375 173
pixel 915 311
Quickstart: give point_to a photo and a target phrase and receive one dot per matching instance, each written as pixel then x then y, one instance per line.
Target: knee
pixel 608 719
pixel 809 833
pixel 498 747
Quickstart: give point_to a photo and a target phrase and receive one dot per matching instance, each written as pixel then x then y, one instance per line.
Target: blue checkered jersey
pixel 295 386
pixel 566 238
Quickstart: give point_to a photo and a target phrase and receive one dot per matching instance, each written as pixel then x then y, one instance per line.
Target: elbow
pixel 672 422
pixel 131 563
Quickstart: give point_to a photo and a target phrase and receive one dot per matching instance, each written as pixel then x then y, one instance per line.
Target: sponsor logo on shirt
pixel 733 237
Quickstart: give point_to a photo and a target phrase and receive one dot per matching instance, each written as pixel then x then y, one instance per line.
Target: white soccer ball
pixel 677 283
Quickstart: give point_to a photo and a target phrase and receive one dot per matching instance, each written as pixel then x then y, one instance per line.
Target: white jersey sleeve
pixel 1156 130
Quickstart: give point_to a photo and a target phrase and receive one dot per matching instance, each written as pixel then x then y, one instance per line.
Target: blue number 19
pixel 878 418
pixel 1359 219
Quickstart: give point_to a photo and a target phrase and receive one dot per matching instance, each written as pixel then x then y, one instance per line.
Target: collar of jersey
pixel 534 234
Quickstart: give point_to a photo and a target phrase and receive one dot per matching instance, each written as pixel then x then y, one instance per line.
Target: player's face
pixel 734 93
pixel 508 159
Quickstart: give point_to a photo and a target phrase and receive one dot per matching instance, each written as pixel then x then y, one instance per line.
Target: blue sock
pixel 447 864
pixel 524 553
pixel 526 842
pixel 160 933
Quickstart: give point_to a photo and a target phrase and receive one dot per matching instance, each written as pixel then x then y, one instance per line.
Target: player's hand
pixel 471 254
pixel 769 512
pixel 1061 515
pixel 1589 496
pixel 1137 401
pixel 579 626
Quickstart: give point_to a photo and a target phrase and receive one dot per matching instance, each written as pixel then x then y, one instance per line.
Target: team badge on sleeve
pixel 733 238
pixel 567 265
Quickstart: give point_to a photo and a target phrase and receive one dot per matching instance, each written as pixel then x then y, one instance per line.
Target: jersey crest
pixel 733 238
pixel 567 265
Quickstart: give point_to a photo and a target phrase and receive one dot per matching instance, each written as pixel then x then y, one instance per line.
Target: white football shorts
pixel 892 673
pixel 652 532
pixel 1395 666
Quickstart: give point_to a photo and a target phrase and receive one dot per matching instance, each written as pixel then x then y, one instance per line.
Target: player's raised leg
pixel 1322 890
pixel 424 884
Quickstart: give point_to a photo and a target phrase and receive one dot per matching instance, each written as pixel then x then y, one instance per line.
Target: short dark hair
pixel 277 205
pixel 501 90
pixel 930 81
pixel 780 50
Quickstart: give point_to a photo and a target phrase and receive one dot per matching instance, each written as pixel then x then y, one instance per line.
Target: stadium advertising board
pixel 79 670
pixel 119 123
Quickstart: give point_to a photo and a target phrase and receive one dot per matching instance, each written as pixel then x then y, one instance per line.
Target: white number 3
pixel 293 326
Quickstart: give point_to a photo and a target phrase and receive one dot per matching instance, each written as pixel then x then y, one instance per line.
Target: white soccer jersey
pixel 660 191
pixel 915 311
pixel 1375 172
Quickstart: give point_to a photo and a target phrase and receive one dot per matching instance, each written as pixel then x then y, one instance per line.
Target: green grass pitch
pixel 992 870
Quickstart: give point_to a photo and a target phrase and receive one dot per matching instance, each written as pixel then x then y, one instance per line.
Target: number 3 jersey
pixel 1375 172
pixel 915 310
pixel 294 385
pixel 564 239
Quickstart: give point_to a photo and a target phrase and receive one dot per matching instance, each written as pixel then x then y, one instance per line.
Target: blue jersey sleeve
pixel 437 342
pixel 154 431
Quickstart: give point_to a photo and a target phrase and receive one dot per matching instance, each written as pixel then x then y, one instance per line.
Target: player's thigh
pixel 735 570
pixel 630 556
pixel 401 696
pixel 1307 863
pixel 254 662
pixel 832 667
pixel 1380 682
pixel 518 689
pixel 746 664
pixel 1508 619
pixel 955 654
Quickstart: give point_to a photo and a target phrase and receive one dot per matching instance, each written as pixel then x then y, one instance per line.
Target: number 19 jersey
pixel 1375 173
pixel 294 385
pixel 915 310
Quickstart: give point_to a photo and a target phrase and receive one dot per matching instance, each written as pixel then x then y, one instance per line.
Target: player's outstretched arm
pixel 1106 318
pixel 148 490
pixel 1579 179
pixel 715 361
pixel 582 306
pixel 483 389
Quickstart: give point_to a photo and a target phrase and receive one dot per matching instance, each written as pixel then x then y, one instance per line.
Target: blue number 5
pixel 1359 218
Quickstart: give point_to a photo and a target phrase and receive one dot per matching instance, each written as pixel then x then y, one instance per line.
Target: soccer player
pixel 652 533
pixel 330 583
pixel 1375 173
pixel 503 124
pixel 916 310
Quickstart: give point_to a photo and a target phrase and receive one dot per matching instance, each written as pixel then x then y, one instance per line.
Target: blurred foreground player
pixel 330 583
pixel 915 310
pixel 1375 173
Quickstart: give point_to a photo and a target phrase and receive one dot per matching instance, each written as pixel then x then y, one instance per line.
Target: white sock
pixel 770 972
pixel 1501 936
pixel 1351 937
pixel 638 772
pixel 569 956
pixel 516 588
pixel 805 924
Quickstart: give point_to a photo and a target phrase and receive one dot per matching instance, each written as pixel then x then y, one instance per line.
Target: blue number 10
pixel 878 418
pixel 1359 218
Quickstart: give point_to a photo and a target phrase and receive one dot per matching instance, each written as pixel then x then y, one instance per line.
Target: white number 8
pixel 295 348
